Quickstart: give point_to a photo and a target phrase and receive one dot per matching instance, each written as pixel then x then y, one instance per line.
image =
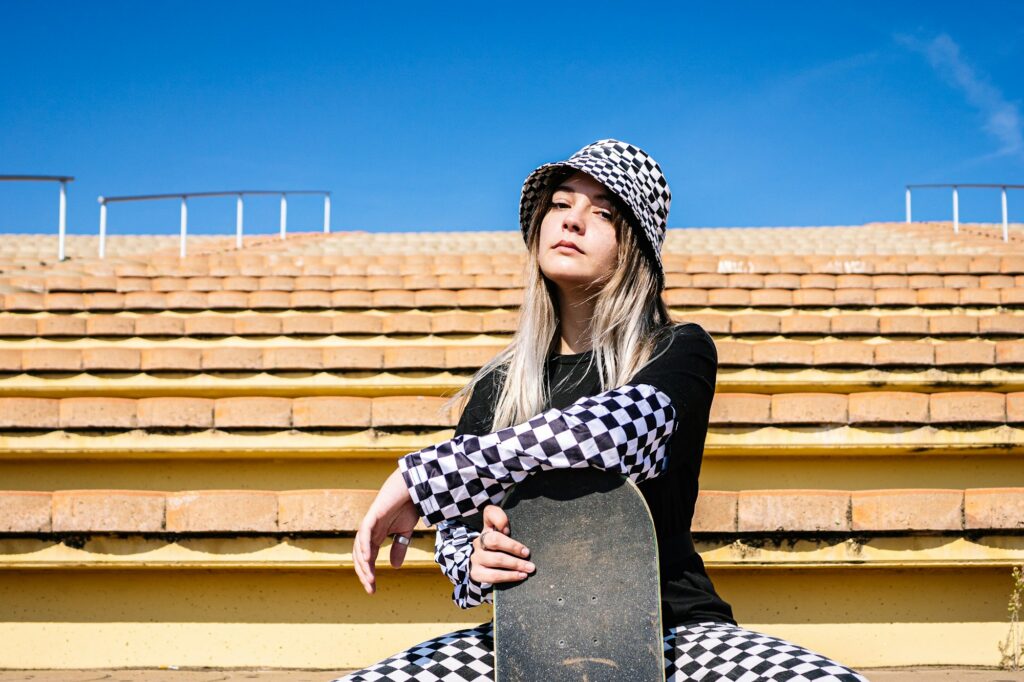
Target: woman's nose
pixel 574 220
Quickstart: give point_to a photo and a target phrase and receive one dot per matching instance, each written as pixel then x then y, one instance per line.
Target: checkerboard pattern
pixel 461 656
pixel 706 651
pixel 628 172
pixel 625 430
pixel 453 546
pixel 721 651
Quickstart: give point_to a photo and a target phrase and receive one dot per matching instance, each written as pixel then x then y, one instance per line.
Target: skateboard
pixel 592 609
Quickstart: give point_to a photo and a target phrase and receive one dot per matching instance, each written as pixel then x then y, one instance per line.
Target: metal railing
pixel 239 210
pixel 956 202
pixel 62 220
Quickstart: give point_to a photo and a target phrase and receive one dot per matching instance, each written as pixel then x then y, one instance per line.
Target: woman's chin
pixel 570 277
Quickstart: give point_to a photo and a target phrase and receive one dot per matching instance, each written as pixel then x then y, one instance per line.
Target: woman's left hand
pixel 392 512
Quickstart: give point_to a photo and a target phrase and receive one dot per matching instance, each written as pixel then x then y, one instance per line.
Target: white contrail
pixel 1002 117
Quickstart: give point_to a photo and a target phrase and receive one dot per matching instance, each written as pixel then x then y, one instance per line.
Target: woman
pixel 596 375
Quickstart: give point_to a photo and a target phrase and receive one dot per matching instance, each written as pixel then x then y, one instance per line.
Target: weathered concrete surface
pixel 171 675
pixel 875 674
pixel 941 675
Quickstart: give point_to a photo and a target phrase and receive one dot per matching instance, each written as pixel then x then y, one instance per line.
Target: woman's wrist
pixel 419 490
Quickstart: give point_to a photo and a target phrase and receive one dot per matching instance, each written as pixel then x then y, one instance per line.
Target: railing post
pixel 956 212
pixel 1006 226
pixel 908 206
pixel 238 222
pixel 183 198
pixel 184 226
pixel 62 219
pixel 103 228
pixel 284 215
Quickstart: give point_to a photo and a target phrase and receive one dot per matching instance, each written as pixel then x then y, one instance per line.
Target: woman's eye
pixel 559 204
pixel 607 215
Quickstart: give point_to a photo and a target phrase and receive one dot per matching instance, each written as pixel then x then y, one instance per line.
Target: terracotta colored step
pixel 308 356
pixel 867 408
pixel 341 510
pixel 252 412
pixel 473 322
pixel 71 285
pixel 907 510
pixel 948 408
pixel 254 270
pixel 470 298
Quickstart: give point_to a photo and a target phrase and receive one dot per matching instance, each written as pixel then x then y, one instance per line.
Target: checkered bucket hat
pixel 625 170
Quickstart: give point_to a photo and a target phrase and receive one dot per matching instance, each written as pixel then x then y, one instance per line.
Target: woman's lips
pixel 568 245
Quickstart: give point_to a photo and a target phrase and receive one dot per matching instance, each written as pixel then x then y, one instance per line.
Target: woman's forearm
pixel 625 429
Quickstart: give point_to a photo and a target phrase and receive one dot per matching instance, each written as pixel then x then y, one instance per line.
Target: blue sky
pixel 426 116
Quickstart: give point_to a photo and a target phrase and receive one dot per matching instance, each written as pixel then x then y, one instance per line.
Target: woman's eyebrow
pixel 600 197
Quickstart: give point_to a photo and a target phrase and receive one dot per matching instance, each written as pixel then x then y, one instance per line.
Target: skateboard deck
pixel 592 609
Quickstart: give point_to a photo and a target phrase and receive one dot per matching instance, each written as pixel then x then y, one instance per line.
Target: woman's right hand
pixel 496 557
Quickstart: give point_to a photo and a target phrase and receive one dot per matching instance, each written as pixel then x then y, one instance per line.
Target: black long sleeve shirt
pixel 685 374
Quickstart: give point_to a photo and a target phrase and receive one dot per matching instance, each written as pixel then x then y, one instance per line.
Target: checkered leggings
pixel 706 651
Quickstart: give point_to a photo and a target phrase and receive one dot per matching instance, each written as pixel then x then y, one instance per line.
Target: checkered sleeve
pixel 453 546
pixel 625 429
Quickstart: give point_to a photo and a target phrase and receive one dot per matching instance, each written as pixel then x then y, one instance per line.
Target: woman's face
pixel 581 214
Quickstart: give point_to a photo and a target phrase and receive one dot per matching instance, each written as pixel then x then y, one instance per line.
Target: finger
pixel 355 557
pixel 398 551
pixel 370 550
pixel 357 564
pixel 362 569
pixel 506 561
pixel 496 518
pixel 491 575
pixel 367 530
pixel 370 566
pixel 357 545
pixel 503 543
pixel 367 555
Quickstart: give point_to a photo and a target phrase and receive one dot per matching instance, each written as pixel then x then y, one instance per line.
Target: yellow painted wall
pixel 283 618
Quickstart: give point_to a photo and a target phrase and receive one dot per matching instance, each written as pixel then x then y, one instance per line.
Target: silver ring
pixel 401 539
pixel 483 545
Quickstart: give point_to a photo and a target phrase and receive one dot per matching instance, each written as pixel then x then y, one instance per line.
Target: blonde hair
pixel 630 319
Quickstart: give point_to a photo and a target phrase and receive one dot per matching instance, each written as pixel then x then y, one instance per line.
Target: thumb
pixel 496 518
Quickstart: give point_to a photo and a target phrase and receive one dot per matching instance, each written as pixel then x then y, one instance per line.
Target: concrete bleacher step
pixel 933 238
pixel 179 674
pixel 328 256
pixel 752 541
pixel 183 432
pixel 724 522
pixel 432 354
pixel 414 275
pixel 359 299
pixel 912 321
